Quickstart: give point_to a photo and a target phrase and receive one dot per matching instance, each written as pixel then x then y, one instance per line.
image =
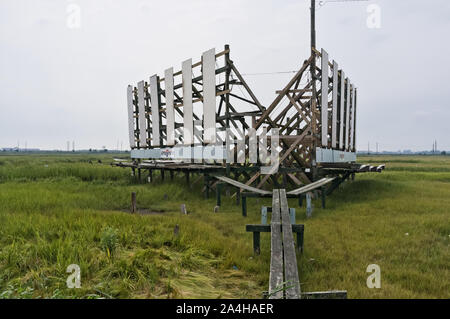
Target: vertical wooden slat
pixel 188 120
pixel 170 114
pixel 352 115
pixel 342 111
pixel 354 119
pixel 253 146
pixel 130 116
pixel 262 143
pixel 229 146
pixel 276 252
pixel 290 259
pixel 154 108
pixel 274 144
pixel 324 98
pixel 347 117
pixel 209 96
pixel 240 151
pixel 142 115
pixel 334 108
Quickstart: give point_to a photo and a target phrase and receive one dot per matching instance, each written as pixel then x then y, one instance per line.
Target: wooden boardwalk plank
pixel 311 186
pixel 290 258
pixel 276 251
pixel 242 186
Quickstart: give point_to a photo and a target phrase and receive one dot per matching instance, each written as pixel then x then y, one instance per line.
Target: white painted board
pixel 352 112
pixel 347 117
pixel 209 96
pixel 170 112
pixel 274 144
pixel 253 146
pixel 230 146
pixel 334 108
pixel 154 107
pixel 354 118
pixel 324 98
pixel 262 144
pixel 142 116
pixel 188 117
pixel 130 116
pixel 342 111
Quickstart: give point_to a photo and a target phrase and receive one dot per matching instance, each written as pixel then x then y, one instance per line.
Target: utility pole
pixel 313 24
pixel 313 95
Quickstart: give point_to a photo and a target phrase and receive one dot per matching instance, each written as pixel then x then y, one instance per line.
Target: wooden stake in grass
pixel 176 230
pixel 133 202
pixel 183 209
pixel 309 207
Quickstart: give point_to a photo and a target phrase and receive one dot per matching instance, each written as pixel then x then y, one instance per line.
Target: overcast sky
pixel 61 83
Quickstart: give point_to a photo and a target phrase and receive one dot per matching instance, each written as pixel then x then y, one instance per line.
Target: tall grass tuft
pixel 109 241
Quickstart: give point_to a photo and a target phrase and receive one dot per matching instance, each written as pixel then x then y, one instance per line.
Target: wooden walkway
pixel 242 186
pixel 283 281
pixel 310 187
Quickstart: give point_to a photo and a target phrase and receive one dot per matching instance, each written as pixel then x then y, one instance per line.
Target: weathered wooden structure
pixel 195 121
pixel 284 278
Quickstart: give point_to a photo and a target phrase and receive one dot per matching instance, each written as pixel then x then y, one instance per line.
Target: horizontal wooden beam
pixel 296 228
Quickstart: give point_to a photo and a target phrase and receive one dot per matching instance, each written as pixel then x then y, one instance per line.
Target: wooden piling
pixel 133 203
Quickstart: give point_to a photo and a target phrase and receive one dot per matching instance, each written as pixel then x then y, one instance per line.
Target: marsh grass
pixel 57 210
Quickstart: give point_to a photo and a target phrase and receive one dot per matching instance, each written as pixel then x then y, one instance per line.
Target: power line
pixel 270 73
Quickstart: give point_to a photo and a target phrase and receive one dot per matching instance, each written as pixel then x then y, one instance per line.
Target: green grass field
pixel 57 210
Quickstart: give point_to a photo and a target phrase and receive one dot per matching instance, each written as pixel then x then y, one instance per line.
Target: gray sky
pixel 60 84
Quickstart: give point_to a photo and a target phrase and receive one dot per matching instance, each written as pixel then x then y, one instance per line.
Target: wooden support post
pixel 244 205
pixel 300 200
pixel 162 174
pixel 292 215
pixel 298 229
pixel 206 182
pixel 264 215
pixel 238 196
pixel 256 242
pixel 322 191
pixel 171 175
pixel 218 189
pixel 308 205
pixel 300 241
pixel 139 174
pixel 150 175
pixel 133 202
pixel 187 177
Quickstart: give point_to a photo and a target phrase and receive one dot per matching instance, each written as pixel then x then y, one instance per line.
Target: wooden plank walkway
pixel 283 278
pixel 242 186
pixel 290 259
pixel 283 281
pixel 310 187
pixel 276 250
